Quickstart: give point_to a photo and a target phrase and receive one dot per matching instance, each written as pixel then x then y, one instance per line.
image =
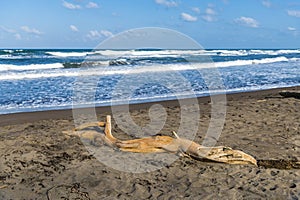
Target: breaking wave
pixel 10 67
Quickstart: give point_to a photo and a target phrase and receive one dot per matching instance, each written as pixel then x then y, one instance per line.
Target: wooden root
pixel 157 144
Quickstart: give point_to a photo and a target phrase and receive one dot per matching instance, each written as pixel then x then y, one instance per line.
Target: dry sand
pixel 38 161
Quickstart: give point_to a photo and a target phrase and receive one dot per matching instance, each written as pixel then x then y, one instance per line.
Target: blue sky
pixel 214 23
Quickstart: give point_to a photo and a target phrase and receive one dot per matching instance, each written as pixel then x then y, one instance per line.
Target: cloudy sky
pixel 213 23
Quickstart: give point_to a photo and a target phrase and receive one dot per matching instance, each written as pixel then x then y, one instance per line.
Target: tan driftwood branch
pixel 157 144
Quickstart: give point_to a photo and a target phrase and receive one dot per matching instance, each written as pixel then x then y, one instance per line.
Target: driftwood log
pixel 159 144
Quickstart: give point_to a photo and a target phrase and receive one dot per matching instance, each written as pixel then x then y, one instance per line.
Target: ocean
pixel 44 79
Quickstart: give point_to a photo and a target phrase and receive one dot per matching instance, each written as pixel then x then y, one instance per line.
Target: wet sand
pixel 39 161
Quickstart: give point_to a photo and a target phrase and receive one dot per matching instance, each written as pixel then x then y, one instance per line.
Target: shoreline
pixel 27 117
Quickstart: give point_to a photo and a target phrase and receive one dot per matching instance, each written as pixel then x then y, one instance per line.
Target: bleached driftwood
pixel 159 144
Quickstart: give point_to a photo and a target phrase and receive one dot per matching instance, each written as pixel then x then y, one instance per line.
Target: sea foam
pixel 10 67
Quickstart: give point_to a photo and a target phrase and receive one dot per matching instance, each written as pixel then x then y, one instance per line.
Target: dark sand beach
pixel 39 161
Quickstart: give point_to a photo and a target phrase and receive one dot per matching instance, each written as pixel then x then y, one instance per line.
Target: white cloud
pixel 225 1
pixel 94 34
pixel 71 6
pixel 210 11
pixel 210 14
pixel 209 18
pixel 247 21
pixel 31 30
pixel 188 17
pixel 166 3
pixel 294 13
pixel 8 30
pixel 18 36
pixel 292 29
pixel 266 3
pixel 196 9
pixel 74 28
pixel 12 31
pixel 92 5
pixel 106 33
